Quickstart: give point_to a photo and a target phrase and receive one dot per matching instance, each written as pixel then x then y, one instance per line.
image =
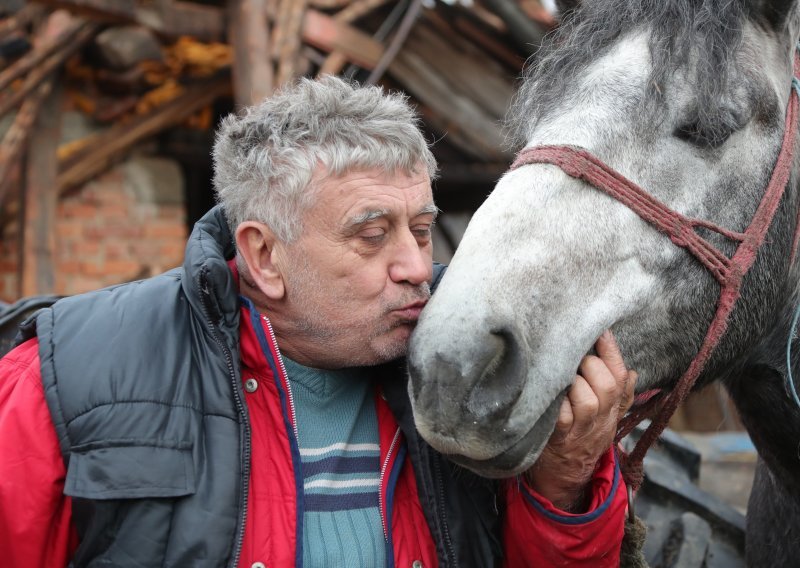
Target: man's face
pixel 358 276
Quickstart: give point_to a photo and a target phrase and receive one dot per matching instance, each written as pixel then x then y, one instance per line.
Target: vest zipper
pixel 284 378
pixel 297 466
pixel 242 410
pixel 448 541
pixel 381 499
pixel 383 505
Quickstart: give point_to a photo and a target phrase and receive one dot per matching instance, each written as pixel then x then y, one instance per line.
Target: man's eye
pixel 422 231
pixel 372 235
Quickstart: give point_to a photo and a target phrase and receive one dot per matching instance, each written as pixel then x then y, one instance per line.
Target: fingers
pixel 628 394
pixel 565 419
pixel 603 390
pixel 608 350
pixel 601 382
pixel 585 406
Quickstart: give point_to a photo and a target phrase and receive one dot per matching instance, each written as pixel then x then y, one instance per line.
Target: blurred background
pixel 108 110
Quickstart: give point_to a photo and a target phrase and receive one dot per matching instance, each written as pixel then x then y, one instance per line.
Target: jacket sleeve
pixel 538 534
pixel 35 515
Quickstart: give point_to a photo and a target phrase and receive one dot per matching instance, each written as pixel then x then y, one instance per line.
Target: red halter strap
pixel 729 272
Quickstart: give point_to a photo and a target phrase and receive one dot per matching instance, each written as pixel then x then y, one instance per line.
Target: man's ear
pixel 257 244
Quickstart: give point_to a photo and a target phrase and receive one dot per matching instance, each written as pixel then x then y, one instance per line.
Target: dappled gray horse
pixel 687 100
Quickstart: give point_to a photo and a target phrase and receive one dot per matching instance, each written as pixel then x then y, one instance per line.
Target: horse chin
pixel 521 455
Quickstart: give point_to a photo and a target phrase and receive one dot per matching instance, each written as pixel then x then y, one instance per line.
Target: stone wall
pixel 127 224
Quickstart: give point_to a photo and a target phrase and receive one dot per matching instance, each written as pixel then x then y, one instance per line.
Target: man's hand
pixel 587 422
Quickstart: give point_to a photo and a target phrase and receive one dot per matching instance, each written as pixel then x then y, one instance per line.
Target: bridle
pixel 729 272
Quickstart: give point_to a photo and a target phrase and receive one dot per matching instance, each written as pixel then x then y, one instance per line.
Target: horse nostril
pixel 501 382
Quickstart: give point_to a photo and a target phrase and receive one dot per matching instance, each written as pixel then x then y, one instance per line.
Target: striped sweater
pixel 338 438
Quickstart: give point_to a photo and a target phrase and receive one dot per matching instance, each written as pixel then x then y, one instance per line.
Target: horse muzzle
pixel 468 407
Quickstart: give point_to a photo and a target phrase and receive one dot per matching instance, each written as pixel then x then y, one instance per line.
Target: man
pixel 250 408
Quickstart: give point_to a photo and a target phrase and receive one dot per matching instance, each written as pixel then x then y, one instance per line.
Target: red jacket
pixel 36 530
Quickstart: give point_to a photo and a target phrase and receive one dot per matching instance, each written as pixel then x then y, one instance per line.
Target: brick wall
pixel 127 224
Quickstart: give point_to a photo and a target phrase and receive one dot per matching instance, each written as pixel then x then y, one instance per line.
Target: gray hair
pixel 266 156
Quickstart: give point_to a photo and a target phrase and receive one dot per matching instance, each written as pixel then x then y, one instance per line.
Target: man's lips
pixel 410 311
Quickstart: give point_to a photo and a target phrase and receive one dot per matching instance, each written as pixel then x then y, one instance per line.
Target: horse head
pixel 686 99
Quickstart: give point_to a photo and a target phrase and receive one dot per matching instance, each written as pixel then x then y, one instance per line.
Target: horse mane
pixel 711 29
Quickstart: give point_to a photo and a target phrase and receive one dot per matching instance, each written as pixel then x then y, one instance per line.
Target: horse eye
pixel 703 136
pixel 713 129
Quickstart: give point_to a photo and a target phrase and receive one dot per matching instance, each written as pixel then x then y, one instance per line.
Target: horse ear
pixel 777 11
pixel 566 6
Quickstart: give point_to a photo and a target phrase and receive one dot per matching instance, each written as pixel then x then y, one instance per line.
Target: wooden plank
pixel 56 60
pixel 54 42
pixel 358 9
pixel 13 143
pixel 457 61
pixel 104 10
pixel 289 24
pixel 329 4
pixel 526 33
pixel 105 149
pixel 412 12
pixel 453 113
pixel 248 33
pixel 271 9
pixel 41 200
pixel 206 23
pixel 333 64
pixel 15 139
pixel 336 61
pixel 283 9
pixel 327 34
pixel 19 20
pixel 489 44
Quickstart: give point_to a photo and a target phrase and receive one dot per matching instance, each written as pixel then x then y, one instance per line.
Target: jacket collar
pixel 206 279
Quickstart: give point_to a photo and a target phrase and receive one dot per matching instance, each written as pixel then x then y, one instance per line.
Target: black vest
pixel 143 385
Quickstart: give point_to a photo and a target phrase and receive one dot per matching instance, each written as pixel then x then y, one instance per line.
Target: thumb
pixel 608 351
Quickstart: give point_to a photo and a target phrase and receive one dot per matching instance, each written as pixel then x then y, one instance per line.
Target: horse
pixel 691 102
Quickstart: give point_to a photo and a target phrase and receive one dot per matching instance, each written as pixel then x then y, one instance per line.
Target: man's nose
pixel 411 263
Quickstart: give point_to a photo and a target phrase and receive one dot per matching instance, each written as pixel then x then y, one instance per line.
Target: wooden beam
pixel 457 61
pixel 412 12
pixel 327 34
pixel 248 33
pixel 16 137
pixel 19 20
pixel 358 9
pixel 13 143
pixel 289 48
pixel 329 4
pixel 336 61
pixel 526 33
pixel 48 66
pixel 496 48
pixel 441 76
pixel 105 149
pixel 41 199
pixel 41 52
pixel 206 23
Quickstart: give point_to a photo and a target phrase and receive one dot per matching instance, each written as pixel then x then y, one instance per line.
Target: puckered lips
pixel 410 312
